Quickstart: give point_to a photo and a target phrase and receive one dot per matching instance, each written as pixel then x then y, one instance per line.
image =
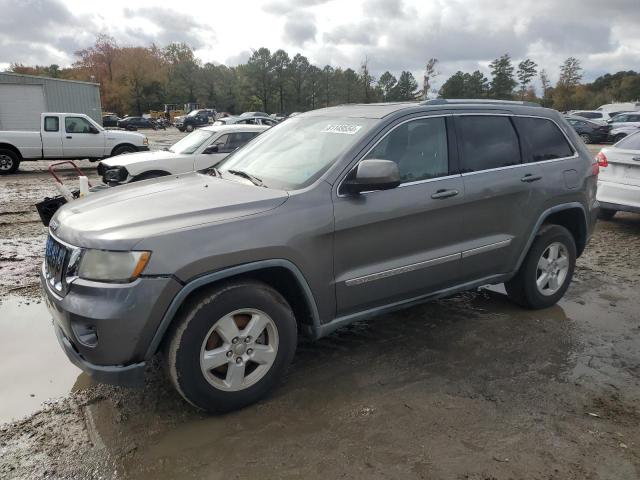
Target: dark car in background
pixel 194 119
pixel 110 120
pixel 134 123
pixel 589 132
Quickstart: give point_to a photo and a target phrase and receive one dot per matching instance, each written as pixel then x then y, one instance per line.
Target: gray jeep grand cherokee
pixel 332 216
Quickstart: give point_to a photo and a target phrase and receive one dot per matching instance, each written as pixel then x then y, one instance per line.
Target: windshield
pixel 296 152
pixel 194 113
pixel 191 142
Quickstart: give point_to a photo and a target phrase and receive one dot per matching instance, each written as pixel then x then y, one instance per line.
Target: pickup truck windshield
pixel 296 152
pixel 191 142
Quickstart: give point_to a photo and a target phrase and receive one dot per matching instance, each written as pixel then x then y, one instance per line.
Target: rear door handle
pixel 444 194
pixel 69 136
pixel 531 178
pixel 635 159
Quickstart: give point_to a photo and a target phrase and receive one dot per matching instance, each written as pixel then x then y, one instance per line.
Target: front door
pixel 398 244
pixel 78 140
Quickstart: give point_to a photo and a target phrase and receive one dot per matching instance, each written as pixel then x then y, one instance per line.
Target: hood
pixel 180 118
pixel 132 159
pixel 132 137
pixel 119 218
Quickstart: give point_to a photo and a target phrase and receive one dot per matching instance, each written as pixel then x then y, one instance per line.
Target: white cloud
pixel 392 34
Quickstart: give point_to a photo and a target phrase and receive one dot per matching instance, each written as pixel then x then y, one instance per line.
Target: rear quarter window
pixel 542 139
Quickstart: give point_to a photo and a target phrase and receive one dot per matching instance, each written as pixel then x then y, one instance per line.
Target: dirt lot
pixel 470 387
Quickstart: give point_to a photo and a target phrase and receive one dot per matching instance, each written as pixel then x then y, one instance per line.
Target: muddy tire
pixel 122 149
pixel 230 346
pixel 606 213
pixel 546 272
pixel 189 128
pixel 9 162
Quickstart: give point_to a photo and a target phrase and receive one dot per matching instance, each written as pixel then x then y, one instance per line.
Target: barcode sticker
pixel 344 129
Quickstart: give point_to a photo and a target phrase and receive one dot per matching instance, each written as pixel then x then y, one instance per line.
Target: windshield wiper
pixel 248 176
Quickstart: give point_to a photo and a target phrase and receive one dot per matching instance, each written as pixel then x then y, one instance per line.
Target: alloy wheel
pixel 6 162
pixel 553 268
pixel 239 349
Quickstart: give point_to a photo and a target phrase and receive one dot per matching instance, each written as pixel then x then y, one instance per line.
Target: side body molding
pixel 226 273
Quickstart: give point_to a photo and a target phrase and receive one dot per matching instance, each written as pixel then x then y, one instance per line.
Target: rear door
pixel 498 193
pixel 401 243
pixel 78 141
pixel 51 136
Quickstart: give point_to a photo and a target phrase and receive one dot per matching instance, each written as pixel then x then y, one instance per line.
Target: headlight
pixel 145 141
pixel 107 266
pixel 115 174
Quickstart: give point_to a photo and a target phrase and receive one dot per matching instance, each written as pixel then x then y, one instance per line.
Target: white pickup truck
pixel 68 136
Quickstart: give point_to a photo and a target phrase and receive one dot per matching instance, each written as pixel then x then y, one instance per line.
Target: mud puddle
pixel 33 369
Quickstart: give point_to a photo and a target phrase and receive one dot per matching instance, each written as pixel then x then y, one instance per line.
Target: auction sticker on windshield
pixel 345 129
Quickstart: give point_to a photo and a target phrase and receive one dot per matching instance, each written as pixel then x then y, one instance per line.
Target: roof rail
pixel 479 101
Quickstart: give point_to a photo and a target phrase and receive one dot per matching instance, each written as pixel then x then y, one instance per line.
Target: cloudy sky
pixel 393 34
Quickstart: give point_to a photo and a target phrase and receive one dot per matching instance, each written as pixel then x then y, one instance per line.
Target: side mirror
pixel 373 175
pixel 93 129
pixel 212 149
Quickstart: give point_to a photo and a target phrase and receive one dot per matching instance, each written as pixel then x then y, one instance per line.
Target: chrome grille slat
pixel 56 257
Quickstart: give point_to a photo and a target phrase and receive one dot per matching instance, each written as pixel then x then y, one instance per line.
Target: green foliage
pixel 386 83
pixel 406 88
pixel 502 83
pixel 527 69
pixel 465 85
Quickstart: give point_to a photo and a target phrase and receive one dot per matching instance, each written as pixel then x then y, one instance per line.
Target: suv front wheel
pixel 546 272
pixel 230 346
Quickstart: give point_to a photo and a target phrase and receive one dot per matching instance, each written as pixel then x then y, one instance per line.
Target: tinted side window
pixel 418 147
pixel 634 118
pixel 543 139
pixel 77 125
pixel 487 142
pixel 51 124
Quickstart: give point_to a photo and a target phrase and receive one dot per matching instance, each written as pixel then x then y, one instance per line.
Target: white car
pixel 593 115
pixel 619 179
pixel 65 136
pixel 200 149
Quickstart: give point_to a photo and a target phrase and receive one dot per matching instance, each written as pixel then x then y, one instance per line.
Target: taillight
pixel 602 160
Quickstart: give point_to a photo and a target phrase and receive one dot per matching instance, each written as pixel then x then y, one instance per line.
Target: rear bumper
pixel 618 196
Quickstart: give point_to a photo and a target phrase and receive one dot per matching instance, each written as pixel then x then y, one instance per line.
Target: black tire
pixel 122 149
pixel 606 213
pixel 189 128
pixel 522 289
pixel 586 138
pixel 618 137
pixel 9 161
pixel 183 344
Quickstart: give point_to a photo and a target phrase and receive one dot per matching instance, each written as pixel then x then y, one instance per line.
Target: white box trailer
pixel 23 98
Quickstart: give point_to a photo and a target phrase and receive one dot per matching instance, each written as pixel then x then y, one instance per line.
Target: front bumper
pixel 124 375
pixel 143 148
pixel 106 329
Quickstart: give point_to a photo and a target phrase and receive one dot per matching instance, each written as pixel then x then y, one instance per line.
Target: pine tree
pixel 527 69
pixel 502 83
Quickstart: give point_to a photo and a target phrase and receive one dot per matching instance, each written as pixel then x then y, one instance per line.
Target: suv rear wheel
pixel 229 347
pixel 546 272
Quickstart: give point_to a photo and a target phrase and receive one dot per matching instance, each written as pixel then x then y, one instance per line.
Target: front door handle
pixel 444 194
pixel 531 178
pixel 69 136
pixel 635 159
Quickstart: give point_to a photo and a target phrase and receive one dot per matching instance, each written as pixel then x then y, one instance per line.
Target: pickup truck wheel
pixel 546 271
pixel 122 149
pixel 9 162
pixel 189 128
pixel 229 347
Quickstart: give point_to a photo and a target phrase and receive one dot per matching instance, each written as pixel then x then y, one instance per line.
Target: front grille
pixel 56 258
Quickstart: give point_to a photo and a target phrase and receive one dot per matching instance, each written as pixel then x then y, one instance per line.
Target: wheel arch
pixel 123 144
pixel 572 216
pixel 280 274
pixel 13 148
pixel 161 173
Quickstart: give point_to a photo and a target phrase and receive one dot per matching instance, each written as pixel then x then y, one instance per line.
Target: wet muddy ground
pixel 471 387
